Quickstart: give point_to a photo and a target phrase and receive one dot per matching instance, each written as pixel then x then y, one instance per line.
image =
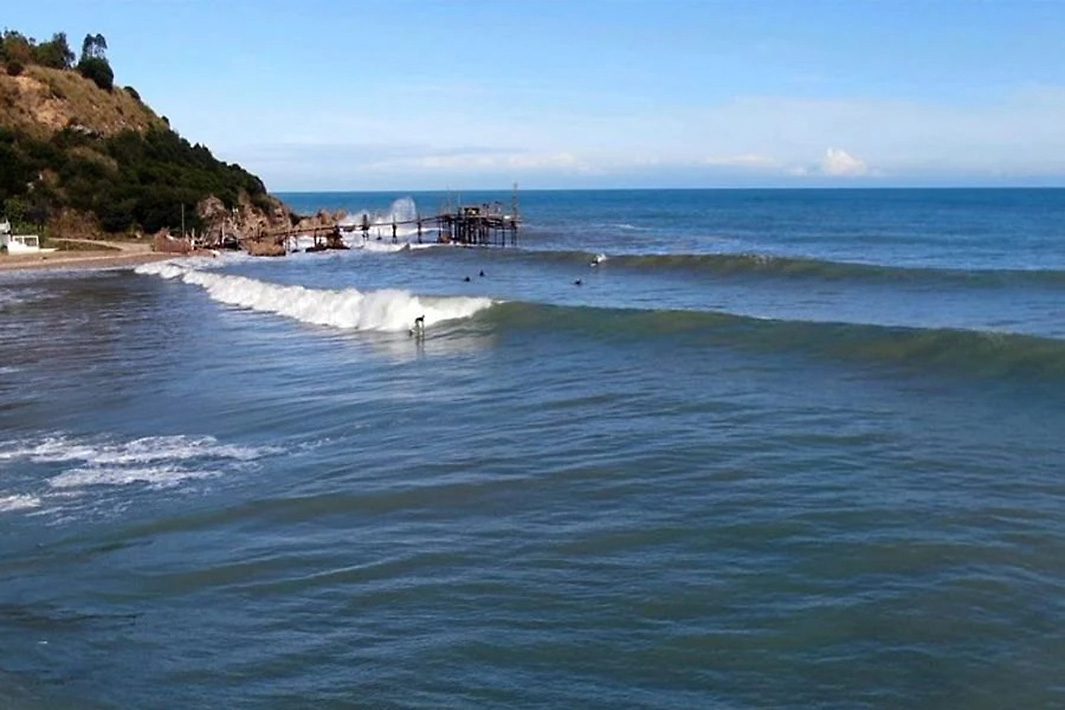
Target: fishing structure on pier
pixel 485 224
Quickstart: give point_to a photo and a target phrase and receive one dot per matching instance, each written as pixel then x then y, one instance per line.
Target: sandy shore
pixel 79 260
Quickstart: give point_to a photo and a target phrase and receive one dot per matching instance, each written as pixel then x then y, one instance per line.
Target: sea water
pixel 776 448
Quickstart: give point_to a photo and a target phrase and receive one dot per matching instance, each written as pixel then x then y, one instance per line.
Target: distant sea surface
pixel 775 449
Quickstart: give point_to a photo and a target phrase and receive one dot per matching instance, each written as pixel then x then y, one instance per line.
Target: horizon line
pixel 809 188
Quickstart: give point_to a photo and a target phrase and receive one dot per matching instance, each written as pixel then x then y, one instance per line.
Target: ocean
pixel 675 449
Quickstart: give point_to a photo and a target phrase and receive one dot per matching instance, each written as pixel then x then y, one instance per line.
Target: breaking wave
pixel 386 310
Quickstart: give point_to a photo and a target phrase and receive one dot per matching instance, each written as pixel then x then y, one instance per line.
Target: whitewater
pixel 389 310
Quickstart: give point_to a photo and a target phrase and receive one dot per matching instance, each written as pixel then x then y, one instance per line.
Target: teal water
pixel 778 448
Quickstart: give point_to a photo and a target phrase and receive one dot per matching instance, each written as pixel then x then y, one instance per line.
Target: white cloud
pixel 839 163
pixel 520 161
pixel 747 160
pixel 557 160
pixel 772 140
pixel 836 163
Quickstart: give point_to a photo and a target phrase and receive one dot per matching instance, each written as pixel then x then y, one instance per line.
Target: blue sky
pixel 407 95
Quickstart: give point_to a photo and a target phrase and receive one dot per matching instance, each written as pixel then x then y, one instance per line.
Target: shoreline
pixel 79 260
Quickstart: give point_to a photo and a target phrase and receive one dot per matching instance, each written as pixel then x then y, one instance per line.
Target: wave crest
pixel 794 267
pixel 386 310
pixel 982 354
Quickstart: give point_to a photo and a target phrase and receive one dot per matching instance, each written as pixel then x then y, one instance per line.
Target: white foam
pixel 403 213
pixel 383 246
pixel 302 241
pixel 60 449
pixel 163 269
pixel 20 296
pixel 155 476
pixel 173 268
pixel 160 461
pixel 387 310
pixel 9 503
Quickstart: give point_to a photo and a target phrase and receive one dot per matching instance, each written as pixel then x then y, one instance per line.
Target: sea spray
pixel 402 215
pixel 387 310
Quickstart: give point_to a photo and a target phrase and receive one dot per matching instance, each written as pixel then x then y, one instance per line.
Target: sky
pixel 420 94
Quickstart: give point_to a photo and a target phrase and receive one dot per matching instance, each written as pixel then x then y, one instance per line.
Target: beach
pixel 79 260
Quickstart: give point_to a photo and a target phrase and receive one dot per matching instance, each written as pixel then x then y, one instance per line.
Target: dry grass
pixel 42 101
pixel 71 224
pixel 68 245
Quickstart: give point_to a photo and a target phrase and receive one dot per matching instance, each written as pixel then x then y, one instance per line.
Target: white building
pixel 18 243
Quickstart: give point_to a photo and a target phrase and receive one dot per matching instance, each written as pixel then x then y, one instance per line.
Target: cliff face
pixel 245 219
pixel 75 156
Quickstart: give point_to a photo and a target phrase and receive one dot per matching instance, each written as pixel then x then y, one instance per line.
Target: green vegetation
pixel 134 174
pixel 97 71
pixel 55 54
pixel 129 180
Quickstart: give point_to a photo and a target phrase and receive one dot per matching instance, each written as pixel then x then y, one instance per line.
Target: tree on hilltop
pixel 93 64
pixel 94 47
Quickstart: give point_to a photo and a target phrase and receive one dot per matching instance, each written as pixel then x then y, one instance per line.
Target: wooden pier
pixel 486 224
pixel 483 225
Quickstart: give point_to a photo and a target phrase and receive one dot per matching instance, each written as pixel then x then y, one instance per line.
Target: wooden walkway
pixel 479 225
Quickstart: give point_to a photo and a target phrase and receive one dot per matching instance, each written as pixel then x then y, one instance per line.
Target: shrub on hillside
pixel 17 47
pixel 14 67
pixel 56 89
pixel 98 71
pixel 133 92
pixel 55 54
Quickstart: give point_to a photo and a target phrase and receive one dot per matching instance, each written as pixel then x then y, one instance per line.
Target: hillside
pixel 82 156
pixel 42 101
